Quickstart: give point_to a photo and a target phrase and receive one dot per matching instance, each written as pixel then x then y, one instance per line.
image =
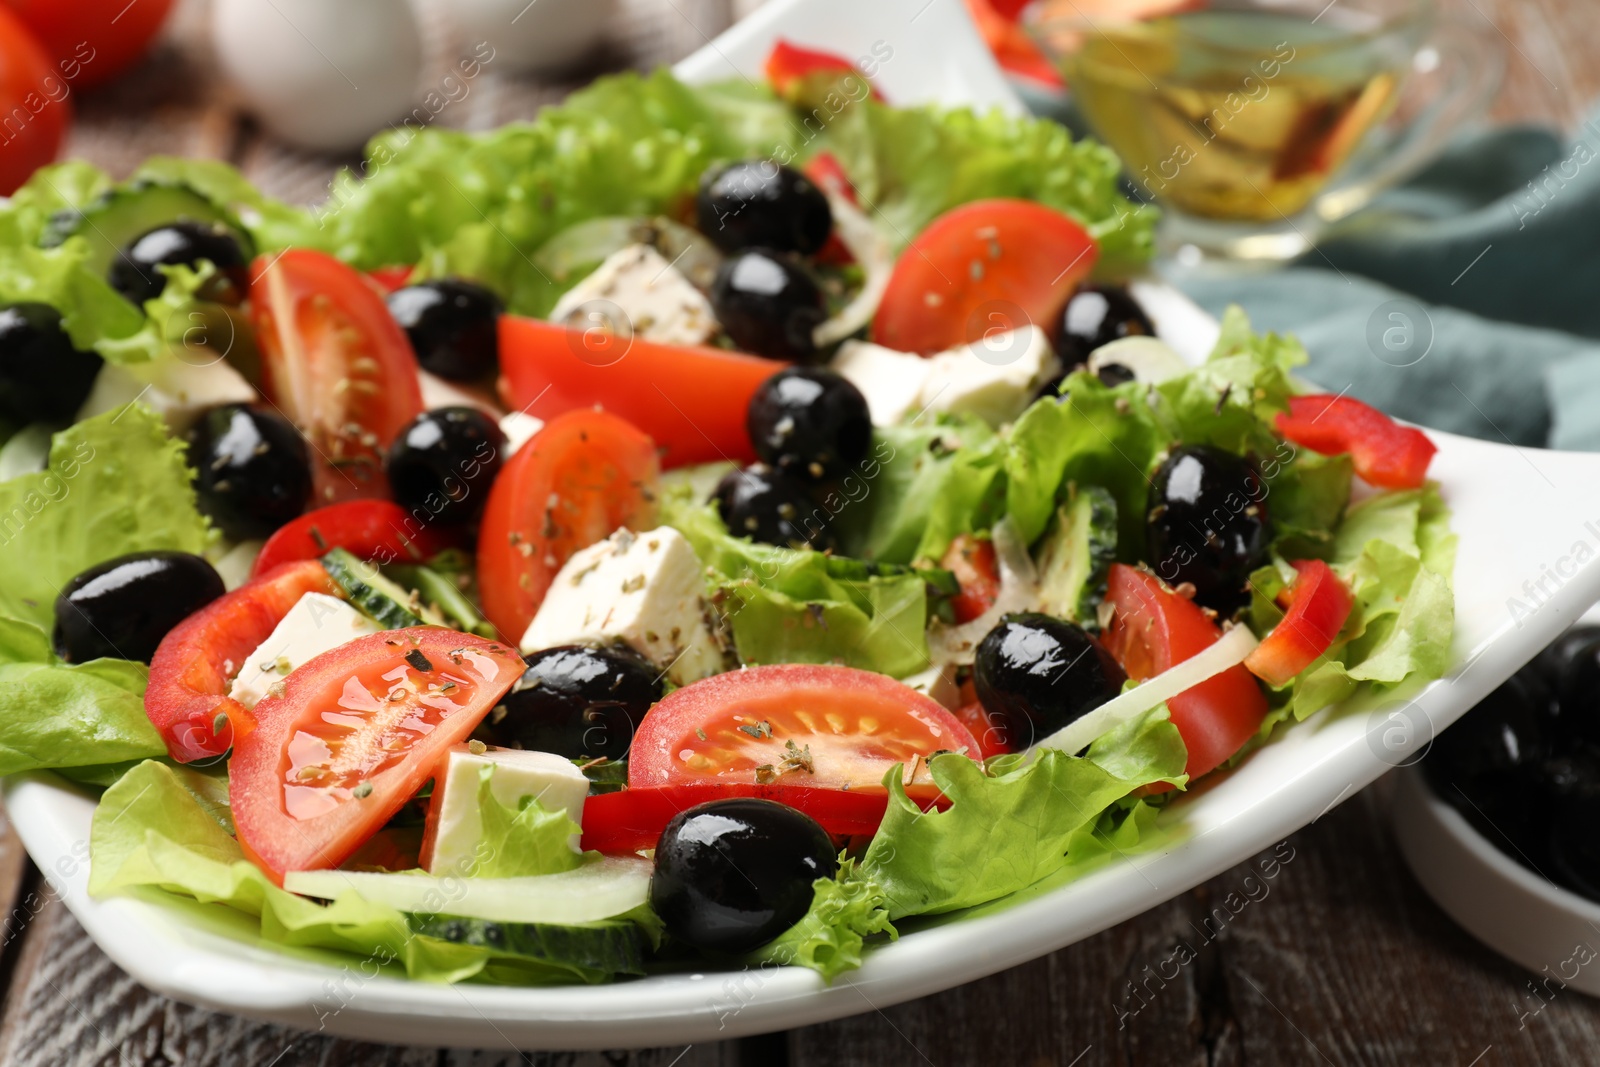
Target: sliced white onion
pixel 1230 649
pixel 871 250
pixel 1019 591
pixel 1150 360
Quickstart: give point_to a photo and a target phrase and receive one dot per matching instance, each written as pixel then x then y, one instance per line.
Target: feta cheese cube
pixel 892 382
pixel 645 590
pixel 659 302
pixel 994 378
pixel 316 624
pixel 177 390
pixel 519 427
pixel 938 682
pixel 455 823
pixel 440 392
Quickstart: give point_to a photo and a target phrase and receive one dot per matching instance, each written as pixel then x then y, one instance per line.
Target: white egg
pixel 534 35
pixel 323 74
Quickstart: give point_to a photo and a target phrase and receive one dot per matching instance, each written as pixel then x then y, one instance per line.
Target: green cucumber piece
pixel 601 948
pixel 1079 548
pixel 116 217
pixel 443 595
pixel 605 775
pixel 386 602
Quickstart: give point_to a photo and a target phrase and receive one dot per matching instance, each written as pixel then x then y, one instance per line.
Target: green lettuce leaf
pixel 845 910
pixel 525 840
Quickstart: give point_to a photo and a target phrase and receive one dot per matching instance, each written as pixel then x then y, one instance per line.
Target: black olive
pixel 123 607
pixel 1208 524
pixel 1096 315
pixel 1506 731
pixel 42 377
pixel 1573 848
pixel 252 469
pixel 453 327
pixel 767 505
pixel 1035 673
pixel 1572 666
pixel 443 463
pixel 135 272
pixel 809 422
pixel 768 304
pixel 583 703
pixel 733 874
pixel 757 203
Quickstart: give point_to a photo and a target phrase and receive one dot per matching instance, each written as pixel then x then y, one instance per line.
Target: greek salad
pixel 698 525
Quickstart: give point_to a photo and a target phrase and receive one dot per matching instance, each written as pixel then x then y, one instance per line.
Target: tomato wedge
pixel 337 364
pixel 805 76
pixel 378 530
pixel 1384 453
pixel 193 667
pixel 575 482
pixel 795 724
pixel 690 400
pixel 1318 605
pixel 972 561
pixel 320 768
pixel 389 279
pixel 631 819
pixel 1153 629
pixel 990 264
pixel 992 740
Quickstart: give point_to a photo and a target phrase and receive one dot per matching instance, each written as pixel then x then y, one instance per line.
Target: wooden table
pixel 1340 959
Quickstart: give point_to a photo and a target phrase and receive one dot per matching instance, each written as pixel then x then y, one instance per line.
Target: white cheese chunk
pixel 891 381
pixel 659 302
pixel 316 624
pixel 519 427
pixel 645 590
pixel 994 378
pixel 177 390
pixel 455 822
pixel 938 682
pixel 440 392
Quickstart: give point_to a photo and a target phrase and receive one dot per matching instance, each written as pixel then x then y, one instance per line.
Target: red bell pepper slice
pixel 796 73
pixel 1385 453
pixel 1318 605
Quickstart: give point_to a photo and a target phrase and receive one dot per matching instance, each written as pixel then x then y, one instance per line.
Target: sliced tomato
pixel 991 734
pixel 1154 629
pixel 805 76
pixel 391 278
pixel 1318 605
pixel 972 561
pixel 828 174
pixel 190 674
pixel 337 364
pixel 35 102
pixel 319 769
pixel 988 265
pixel 92 41
pixel 631 819
pixel 795 724
pixel 1383 452
pixel 575 482
pixel 690 400
pixel 378 530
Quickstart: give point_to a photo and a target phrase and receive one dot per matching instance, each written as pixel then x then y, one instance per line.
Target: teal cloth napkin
pixel 1467 299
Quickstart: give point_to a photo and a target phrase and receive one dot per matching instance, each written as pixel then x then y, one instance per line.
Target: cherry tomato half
pixel 378 530
pixel 35 101
pixel 972 561
pixel 93 41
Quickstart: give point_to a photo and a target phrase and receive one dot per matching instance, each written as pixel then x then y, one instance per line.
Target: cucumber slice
pixel 604 948
pixel 388 603
pixel 600 889
pixel 439 592
pixel 1079 548
pixel 116 217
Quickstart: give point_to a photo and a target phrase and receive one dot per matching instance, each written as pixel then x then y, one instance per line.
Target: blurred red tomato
pixel 92 41
pixel 34 110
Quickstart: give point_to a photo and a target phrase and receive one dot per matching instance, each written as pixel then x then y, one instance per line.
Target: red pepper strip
pixel 1318 606
pixel 1385 453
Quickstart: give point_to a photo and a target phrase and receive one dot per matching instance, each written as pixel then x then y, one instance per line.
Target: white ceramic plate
pixel 1522 516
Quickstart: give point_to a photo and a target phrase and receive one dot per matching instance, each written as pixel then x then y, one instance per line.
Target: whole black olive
pixel 443 463
pixel 758 203
pixel 1208 524
pixel 453 326
pixel 1097 315
pixel 252 469
pixel 733 874
pixel 135 272
pixel 809 422
pixel 768 304
pixel 769 506
pixel 1035 674
pixel 42 377
pixel 123 607
pixel 583 703
pixel 1572 666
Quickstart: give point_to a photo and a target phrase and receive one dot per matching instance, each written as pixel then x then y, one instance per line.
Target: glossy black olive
pixel 1572 666
pixel 1036 673
pixel 443 463
pixel 768 304
pixel 1506 733
pixel 123 607
pixel 42 377
pixel 1097 315
pixel 1208 524
pixel 733 874
pixel 453 327
pixel 767 505
pixel 757 203
pixel 1574 848
pixel 252 469
pixel 809 422
pixel 583 703
pixel 135 272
